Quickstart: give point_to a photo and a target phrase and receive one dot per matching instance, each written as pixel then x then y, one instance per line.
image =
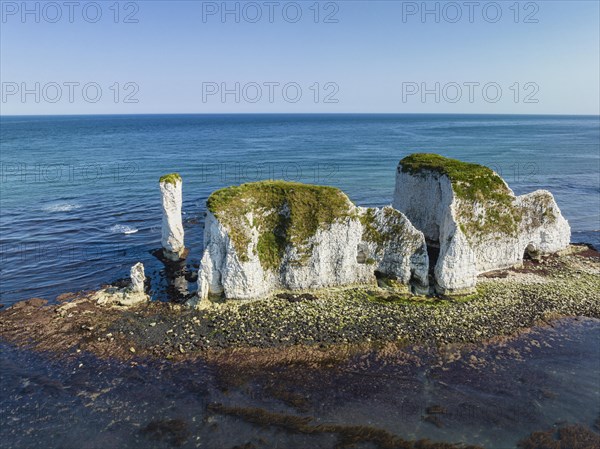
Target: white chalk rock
pixel 125 297
pixel 172 226
pixel 269 236
pixel 129 296
pixel 138 277
pixel 474 218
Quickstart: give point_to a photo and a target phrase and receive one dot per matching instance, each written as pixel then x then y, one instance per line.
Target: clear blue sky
pixel 370 57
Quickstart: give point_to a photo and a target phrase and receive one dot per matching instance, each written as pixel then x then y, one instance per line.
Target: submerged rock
pixel 172 227
pixel 470 213
pixel 273 235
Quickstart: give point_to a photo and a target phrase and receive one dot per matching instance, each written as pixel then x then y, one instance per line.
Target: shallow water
pixel 80 202
pixel 492 396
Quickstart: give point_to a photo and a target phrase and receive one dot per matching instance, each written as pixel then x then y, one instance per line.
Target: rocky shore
pixel 505 303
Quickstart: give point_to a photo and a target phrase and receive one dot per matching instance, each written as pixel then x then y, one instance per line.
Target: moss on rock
pixel 284 213
pixel 171 178
pixel 393 227
pixel 472 184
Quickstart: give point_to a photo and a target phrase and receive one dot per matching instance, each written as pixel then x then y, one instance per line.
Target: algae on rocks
pixel 276 235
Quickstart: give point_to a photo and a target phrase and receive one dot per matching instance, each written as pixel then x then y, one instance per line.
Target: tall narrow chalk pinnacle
pixel 172 227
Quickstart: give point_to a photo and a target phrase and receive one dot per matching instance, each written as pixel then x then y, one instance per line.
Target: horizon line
pixel 299 113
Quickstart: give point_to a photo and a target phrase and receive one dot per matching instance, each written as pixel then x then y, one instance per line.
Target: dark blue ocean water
pixel 80 201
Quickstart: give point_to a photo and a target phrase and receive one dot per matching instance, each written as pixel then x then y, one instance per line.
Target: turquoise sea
pixel 80 202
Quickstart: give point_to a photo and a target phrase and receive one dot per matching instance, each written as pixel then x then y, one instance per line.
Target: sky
pixel 108 57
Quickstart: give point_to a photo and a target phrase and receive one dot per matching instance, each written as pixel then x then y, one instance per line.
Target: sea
pixel 80 204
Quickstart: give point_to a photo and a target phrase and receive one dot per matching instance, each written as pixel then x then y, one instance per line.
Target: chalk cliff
pixel 474 218
pixel 273 235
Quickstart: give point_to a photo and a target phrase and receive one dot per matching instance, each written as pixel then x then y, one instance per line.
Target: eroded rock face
pixel 475 218
pixel 268 236
pixel 138 277
pixel 172 227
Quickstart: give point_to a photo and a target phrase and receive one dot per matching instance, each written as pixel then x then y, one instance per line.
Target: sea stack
pixel 274 235
pixel 138 278
pixel 470 215
pixel 172 227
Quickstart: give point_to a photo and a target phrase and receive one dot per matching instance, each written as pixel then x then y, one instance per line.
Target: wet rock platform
pixel 506 302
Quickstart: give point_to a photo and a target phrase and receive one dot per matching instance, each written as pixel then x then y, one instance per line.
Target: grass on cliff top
pixel 171 178
pixel 285 213
pixel 471 183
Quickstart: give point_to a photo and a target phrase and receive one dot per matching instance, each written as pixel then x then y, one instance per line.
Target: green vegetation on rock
pixel 171 178
pixel 284 213
pixel 472 184
pixel 393 227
